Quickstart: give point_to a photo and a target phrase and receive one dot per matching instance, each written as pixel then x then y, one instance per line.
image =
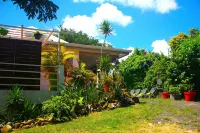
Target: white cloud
pixel 161 6
pixel 89 24
pixel 161 46
pixel 125 57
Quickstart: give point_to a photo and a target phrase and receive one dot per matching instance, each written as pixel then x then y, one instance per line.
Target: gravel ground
pixel 184 113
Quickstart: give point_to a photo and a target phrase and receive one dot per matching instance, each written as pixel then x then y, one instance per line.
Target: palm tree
pixel 106 29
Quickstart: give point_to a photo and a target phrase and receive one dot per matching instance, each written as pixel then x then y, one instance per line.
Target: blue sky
pixel 137 23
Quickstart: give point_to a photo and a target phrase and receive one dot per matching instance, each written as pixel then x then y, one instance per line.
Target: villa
pixel 20 57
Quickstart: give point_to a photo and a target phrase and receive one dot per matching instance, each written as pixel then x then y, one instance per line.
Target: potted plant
pixel 165 93
pixel 106 82
pixel 189 95
pixel 67 73
pixel 38 35
pixel 175 92
pixel 3 32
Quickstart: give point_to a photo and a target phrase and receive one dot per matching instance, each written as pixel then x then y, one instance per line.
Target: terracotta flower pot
pixel 106 88
pixel 189 96
pixel 165 95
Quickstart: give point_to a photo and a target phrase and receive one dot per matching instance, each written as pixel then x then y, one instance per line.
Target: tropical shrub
pixel 104 63
pixel 185 56
pixel 14 102
pixel 156 75
pixel 92 95
pixel 82 77
pixel 17 107
pixel 70 103
pixel 106 79
pixel 135 67
pixel 58 107
pixel 29 110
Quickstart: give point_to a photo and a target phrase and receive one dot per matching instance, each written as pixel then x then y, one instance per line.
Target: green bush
pixel 92 95
pixel 175 90
pixel 17 107
pixel 70 103
pixel 29 110
pixel 58 107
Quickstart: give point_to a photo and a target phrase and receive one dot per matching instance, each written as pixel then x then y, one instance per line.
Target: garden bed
pixel 152 115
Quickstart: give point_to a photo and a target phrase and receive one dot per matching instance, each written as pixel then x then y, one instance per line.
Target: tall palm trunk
pixel 104 43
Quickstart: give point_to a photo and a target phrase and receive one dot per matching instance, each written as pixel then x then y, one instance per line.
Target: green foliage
pixel 118 79
pixel 183 67
pixel 104 63
pixel 57 106
pixel 15 96
pixel 145 69
pixel 157 72
pixel 106 79
pixel 175 90
pixel 117 93
pixel 71 102
pixel 17 107
pixel 72 36
pixel 176 41
pixel 135 67
pixel 92 95
pixel 29 110
pixel 82 76
pixel 3 32
pixel 194 32
pixel 44 10
pixel 106 29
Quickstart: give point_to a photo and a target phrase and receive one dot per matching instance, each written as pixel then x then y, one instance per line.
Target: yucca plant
pixel 15 96
pixel 92 94
pixel 14 103
pixel 28 110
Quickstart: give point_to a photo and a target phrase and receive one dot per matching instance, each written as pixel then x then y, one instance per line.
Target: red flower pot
pixel 165 95
pixel 67 73
pixel 106 88
pixel 189 96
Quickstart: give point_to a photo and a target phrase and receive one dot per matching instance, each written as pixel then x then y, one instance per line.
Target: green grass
pixel 137 118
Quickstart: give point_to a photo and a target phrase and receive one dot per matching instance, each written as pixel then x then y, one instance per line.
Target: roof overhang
pixel 96 49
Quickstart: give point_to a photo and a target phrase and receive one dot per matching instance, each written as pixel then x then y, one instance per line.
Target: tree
pixel 185 60
pixel 135 67
pixel 194 32
pixel 157 72
pixel 176 41
pixel 106 29
pixel 72 36
pixel 189 54
pixel 44 10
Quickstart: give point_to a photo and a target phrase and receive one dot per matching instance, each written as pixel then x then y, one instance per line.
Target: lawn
pixel 152 115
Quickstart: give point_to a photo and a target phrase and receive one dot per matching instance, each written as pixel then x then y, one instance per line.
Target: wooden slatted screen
pixel 21 52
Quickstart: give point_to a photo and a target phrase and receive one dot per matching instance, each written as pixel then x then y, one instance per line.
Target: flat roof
pixel 95 49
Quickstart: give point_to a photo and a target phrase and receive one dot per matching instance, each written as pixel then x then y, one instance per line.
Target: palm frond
pixel 106 28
